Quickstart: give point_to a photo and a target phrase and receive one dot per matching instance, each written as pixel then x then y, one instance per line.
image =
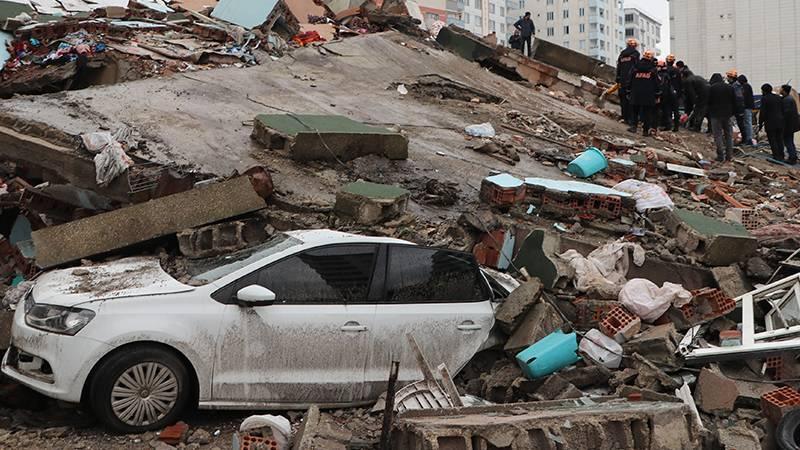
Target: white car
pixel 309 317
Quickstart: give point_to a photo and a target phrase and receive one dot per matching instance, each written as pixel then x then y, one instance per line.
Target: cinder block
pixel 775 404
pixel 620 324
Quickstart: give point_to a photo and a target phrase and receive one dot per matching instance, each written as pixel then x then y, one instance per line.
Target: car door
pixel 440 297
pixel 310 345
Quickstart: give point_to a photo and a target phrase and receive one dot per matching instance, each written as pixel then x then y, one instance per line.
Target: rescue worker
pixel 733 80
pixel 770 116
pixel 667 97
pixel 749 106
pixel 676 81
pixel 625 63
pixel 721 108
pixel 526 31
pixel 696 89
pixel 791 121
pixel 645 91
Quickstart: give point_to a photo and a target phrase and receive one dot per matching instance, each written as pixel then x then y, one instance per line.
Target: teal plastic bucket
pixel 588 163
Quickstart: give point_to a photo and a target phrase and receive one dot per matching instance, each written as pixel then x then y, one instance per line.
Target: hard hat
pixel 632 42
pixel 731 73
pixel 670 58
pixel 649 54
pixel 661 63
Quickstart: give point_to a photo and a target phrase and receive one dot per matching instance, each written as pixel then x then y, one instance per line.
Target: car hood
pixel 129 277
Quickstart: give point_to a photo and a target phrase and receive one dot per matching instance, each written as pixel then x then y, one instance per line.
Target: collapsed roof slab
pixel 123 227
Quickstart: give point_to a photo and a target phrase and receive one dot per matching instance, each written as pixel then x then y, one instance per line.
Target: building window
pixel 502 11
pixel 551 15
pixel 565 13
pixel 491 25
pixel 582 44
pixel 491 8
pixel 581 12
pixel 502 28
pixel 549 2
pixel 466 18
pixel 477 4
pixel 566 29
pixel 582 28
pixel 628 18
pixel 629 32
pixel 551 31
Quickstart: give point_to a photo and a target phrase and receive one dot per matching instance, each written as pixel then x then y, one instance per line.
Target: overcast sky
pixel 660 10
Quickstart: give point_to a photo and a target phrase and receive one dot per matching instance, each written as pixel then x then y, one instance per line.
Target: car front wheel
pixel 140 390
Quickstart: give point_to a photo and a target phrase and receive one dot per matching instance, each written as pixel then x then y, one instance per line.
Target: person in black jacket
pixel 770 116
pixel 721 108
pixel 526 30
pixel 676 82
pixel 696 89
pixel 749 106
pixel 791 121
pixel 625 63
pixel 515 41
pixel 667 99
pixel 645 92
pixel 733 79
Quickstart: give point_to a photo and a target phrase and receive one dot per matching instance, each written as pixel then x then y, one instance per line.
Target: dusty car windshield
pixel 211 269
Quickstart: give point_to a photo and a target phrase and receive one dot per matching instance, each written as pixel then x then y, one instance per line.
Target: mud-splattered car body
pixel 342 306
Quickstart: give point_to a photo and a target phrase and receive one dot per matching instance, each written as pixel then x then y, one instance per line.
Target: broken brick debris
pixel 620 324
pixel 123 227
pixel 218 239
pixel 371 203
pixel 510 313
pixel 321 137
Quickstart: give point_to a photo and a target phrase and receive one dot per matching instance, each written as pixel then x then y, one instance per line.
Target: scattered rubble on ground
pixel 657 299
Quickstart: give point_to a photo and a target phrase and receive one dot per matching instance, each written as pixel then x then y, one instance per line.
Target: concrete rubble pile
pixel 645 298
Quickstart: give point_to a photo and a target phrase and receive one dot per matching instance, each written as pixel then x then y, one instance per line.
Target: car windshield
pixel 208 270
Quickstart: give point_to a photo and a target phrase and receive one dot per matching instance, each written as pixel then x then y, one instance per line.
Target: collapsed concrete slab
pixel 370 203
pixel 715 242
pixel 138 223
pixel 540 321
pixel 510 314
pixel 321 137
pixel 572 424
pixel 221 238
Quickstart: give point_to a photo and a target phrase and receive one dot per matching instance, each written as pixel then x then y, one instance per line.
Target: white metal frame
pixel 786 290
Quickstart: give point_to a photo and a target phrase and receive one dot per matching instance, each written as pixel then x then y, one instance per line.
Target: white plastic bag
pixel 110 163
pixel 647 195
pixel 602 273
pixel 481 130
pixel 601 348
pixel 648 301
pixel 96 142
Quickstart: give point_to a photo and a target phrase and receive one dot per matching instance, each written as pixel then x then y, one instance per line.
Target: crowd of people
pixel 666 94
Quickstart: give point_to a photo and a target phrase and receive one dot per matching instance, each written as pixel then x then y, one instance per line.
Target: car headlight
pixel 58 319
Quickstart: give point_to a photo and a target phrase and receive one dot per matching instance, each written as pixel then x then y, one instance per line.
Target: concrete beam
pixel 138 223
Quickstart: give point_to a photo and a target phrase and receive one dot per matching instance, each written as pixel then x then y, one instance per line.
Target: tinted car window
pixel 427 275
pixel 336 274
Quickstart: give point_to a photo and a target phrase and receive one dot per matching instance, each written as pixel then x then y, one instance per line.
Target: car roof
pixel 323 237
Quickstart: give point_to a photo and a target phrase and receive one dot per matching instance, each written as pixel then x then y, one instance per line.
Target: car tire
pixel 141 389
pixel 787 434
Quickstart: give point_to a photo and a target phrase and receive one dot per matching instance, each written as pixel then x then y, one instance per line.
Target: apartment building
pixel 759 38
pixel 644 28
pixel 481 17
pixel 592 27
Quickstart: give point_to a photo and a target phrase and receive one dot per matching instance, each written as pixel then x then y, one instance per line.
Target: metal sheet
pixel 245 13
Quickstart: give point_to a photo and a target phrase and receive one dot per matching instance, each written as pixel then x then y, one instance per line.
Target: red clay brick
pixel 620 324
pixel 774 404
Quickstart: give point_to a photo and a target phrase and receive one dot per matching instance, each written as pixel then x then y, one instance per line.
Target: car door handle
pixel 468 325
pixel 353 327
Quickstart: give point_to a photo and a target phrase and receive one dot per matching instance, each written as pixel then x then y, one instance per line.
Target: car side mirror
pixel 255 295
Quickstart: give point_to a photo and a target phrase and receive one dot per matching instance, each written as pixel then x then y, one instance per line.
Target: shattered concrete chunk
pixel 731 280
pixel 651 377
pixel 585 377
pixel 556 387
pixel 540 321
pixel 370 203
pixel 739 437
pixel 715 393
pixel 511 312
pixel 659 343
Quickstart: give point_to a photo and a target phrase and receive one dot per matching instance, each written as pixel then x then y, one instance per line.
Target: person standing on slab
pixel 526 31
pixel 721 110
pixel 791 123
pixel 770 116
